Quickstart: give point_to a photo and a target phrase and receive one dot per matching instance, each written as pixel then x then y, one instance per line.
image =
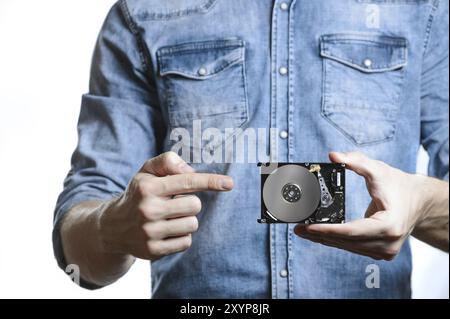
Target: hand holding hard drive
pixel 402 204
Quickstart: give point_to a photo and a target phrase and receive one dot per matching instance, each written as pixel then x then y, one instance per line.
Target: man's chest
pixel 231 64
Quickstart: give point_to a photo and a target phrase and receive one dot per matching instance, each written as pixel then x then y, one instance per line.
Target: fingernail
pixel 226 183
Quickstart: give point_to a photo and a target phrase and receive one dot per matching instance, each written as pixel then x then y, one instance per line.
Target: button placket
pixel 284 6
pixel 283 70
pixel 291 106
pixel 291 65
pixel 280 119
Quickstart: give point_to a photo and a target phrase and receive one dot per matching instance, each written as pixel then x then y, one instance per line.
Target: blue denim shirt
pixel 367 75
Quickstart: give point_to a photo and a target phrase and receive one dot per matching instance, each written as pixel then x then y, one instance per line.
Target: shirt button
pixel 368 63
pixel 283 70
pixel 284 135
pixel 284 6
pixel 202 71
pixel 283 273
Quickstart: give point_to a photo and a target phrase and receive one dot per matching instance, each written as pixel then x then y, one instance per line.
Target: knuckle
pixel 161 185
pixel 153 231
pixel 143 210
pixel 149 211
pixel 213 182
pixel 189 182
pixel 148 230
pixel 169 159
pixel 141 186
pixel 152 215
pixel 135 181
pixel 170 156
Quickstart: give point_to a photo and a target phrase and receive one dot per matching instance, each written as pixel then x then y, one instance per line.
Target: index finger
pixel 194 182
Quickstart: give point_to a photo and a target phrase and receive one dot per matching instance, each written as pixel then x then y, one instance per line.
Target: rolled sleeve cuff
pixel 61 210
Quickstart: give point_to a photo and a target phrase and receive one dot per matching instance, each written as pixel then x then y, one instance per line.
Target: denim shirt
pixel 366 75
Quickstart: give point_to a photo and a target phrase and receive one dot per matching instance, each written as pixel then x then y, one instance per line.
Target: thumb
pixel 357 162
pixel 166 164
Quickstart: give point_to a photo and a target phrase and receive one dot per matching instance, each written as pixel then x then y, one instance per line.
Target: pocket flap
pixel 200 60
pixel 366 53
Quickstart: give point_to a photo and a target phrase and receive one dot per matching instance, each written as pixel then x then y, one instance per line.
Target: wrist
pixel 109 243
pixel 82 245
pixel 424 196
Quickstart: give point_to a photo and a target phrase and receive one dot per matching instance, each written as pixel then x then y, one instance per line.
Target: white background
pixel 45 52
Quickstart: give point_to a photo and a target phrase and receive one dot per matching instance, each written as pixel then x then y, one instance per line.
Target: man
pixel 357 76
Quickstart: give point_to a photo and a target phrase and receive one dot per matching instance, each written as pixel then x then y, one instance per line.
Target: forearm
pixel 82 245
pixel 432 228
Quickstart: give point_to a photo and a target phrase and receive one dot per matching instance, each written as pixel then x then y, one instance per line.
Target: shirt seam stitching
pixel 133 27
pixel 430 23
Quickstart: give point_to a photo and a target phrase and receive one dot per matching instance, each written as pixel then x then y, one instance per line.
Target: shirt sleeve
pixel 434 92
pixel 119 121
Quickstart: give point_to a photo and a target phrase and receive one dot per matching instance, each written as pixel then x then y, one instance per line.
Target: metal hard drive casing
pixel 308 193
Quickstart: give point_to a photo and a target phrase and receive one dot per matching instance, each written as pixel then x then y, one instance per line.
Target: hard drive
pixel 308 193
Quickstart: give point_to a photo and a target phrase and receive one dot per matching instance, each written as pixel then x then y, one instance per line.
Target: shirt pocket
pixel 205 81
pixel 362 84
